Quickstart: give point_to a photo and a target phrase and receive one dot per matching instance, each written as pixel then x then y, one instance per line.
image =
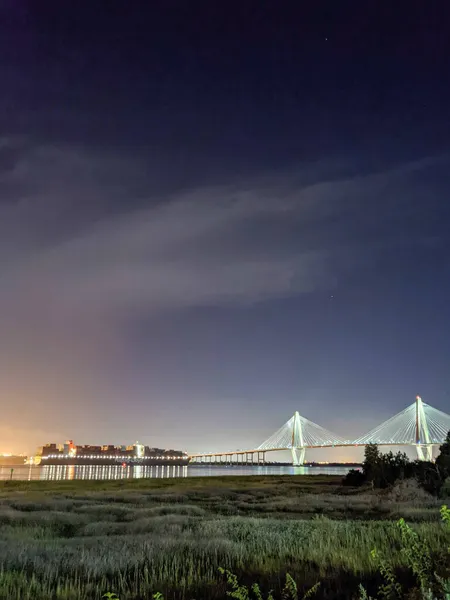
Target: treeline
pixel 383 470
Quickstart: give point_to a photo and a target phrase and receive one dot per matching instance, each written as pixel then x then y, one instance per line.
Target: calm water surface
pixel 58 472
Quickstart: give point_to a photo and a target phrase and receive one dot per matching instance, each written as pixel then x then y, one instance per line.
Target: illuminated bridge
pixel 419 425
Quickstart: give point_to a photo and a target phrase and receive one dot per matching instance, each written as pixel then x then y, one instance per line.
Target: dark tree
pixel 443 460
pixel 383 470
pixel 354 478
pixel 371 461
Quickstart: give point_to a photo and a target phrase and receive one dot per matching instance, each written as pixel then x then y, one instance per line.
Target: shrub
pixel 408 490
pixel 445 490
pixel 383 470
pixel 354 478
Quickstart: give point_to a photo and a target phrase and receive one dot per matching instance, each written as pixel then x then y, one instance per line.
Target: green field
pixel 81 539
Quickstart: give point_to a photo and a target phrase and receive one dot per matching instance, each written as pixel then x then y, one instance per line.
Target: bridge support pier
pixel 298 456
pixel 425 452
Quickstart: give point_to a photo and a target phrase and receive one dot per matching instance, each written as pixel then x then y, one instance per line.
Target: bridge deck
pixel 288 449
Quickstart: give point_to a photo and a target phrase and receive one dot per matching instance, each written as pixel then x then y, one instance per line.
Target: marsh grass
pixel 61 542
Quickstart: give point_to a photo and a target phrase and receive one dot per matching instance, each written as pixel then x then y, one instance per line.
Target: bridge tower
pixel 423 443
pixel 297 435
pixel 297 444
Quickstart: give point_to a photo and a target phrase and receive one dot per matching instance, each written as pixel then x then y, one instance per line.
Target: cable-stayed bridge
pixel 418 425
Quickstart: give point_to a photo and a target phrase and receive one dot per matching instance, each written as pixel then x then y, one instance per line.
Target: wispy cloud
pixel 86 245
pixel 68 244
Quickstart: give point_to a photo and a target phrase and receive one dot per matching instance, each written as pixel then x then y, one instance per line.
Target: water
pixel 61 472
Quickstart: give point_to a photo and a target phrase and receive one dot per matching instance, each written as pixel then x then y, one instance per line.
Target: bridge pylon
pixel 298 450
pixel 424 446
pixel 418 425
pixel 297 435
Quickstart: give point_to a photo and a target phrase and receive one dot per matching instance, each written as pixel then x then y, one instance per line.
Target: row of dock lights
pixel 109 457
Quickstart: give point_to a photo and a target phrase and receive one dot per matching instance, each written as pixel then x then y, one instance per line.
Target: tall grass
pixel 184 553
pixel 137 544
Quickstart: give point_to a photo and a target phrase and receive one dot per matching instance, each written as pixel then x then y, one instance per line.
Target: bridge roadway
pixel 247 457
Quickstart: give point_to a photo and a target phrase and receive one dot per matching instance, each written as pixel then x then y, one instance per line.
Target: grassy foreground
pixel 80 539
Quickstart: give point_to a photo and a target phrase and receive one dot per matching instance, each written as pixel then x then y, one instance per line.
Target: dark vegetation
pixel 80 539
pixel 384 470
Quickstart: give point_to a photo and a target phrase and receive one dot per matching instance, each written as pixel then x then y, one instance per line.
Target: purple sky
pixel 211 217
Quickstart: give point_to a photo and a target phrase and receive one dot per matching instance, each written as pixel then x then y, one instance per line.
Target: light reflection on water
pixel 61 472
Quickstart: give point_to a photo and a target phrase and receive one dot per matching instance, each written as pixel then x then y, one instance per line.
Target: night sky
pixel 213 214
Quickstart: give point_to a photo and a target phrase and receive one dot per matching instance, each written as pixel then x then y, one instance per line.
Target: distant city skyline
pixel 215 214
